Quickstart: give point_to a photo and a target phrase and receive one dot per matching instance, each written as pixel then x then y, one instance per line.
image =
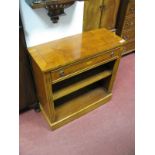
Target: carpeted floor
pixel 108 130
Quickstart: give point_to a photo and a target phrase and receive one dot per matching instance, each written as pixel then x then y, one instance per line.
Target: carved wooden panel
pixel 128 34
pixel 126 24
pixel 129 47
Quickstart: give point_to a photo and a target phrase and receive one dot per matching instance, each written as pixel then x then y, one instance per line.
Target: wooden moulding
pixel 126 24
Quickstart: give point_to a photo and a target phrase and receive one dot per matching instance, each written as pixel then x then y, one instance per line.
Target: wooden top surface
pixel 64 51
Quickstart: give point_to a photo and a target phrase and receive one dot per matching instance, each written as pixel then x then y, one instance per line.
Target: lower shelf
pixel 78 105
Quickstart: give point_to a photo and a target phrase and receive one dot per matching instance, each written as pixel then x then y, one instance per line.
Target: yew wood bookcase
pixel 75 75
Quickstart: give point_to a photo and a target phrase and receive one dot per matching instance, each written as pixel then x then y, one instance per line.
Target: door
pixel 109 13
pixel 92 14
pixel 100 13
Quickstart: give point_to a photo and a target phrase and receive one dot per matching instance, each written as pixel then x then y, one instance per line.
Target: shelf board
pixel 80 105
pixel 81 84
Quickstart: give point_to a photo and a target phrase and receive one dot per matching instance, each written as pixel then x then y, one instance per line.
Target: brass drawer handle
pixel 61 73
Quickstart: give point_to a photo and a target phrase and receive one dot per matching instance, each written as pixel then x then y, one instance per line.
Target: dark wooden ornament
pixel 55 7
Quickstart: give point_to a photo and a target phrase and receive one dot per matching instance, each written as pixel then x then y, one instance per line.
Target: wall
pixel 39 28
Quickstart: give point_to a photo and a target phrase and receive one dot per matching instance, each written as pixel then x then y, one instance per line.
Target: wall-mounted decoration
pixel 55 7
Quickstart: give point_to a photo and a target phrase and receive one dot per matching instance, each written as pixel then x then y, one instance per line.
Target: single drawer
pixel 75 68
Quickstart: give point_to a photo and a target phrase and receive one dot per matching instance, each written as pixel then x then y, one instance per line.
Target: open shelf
pixel 81 101
pixel 81 80
pixel 80 84
pixel 81 93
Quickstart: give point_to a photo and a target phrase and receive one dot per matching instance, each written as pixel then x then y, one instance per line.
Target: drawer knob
pixel 61 73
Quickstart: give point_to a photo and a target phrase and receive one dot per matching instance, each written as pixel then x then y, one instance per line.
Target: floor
pixel 108 130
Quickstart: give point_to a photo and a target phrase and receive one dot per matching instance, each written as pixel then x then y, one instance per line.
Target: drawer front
pixel 130 46
pixel 72 69
pixel 130 9
pixel 129 23
pixel 128 35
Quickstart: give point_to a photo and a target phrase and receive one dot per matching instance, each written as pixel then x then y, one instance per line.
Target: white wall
pixel 39 28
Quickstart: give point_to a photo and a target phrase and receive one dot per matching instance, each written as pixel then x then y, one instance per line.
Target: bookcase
pixel 75 75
